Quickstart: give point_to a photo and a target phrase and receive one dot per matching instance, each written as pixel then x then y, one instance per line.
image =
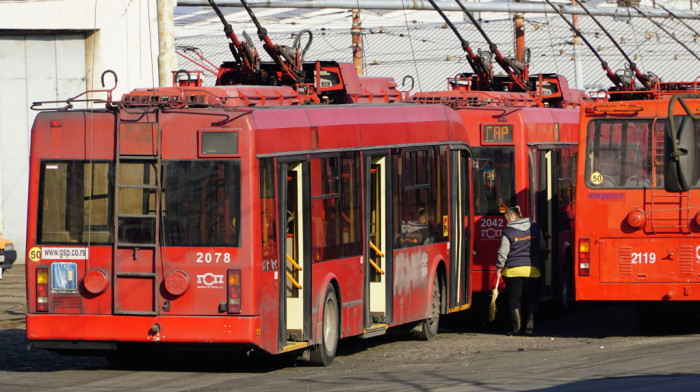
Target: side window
pixel 351 204
pixel 565 187
pixel 336 207
pixel 267 209
pixel 493 179
pixel 420 196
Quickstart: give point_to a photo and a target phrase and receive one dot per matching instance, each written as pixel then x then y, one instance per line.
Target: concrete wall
pixel 53 50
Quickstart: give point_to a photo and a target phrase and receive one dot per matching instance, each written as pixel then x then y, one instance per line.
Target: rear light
pixel 42 289
pixel 636 219
pixel 584 257
pixel 233 291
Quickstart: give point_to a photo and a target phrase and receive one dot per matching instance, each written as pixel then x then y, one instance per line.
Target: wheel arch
pixel 441 272
pixel 330 280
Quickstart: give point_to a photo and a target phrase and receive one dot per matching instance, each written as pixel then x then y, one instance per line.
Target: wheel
pixel 324 353
pixel 428 328
pixel 566 289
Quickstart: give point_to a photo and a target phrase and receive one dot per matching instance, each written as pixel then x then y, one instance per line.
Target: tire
pixel 567 287
pixel 324 353
pixel 428 328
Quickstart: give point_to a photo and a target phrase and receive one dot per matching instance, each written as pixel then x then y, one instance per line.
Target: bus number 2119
pixel 643 258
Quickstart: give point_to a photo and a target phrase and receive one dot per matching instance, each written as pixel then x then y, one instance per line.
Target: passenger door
pixel 460 236
pixel 378 247
pixel 295 253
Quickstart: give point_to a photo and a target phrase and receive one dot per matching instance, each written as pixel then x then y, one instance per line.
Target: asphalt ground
pixel 595 347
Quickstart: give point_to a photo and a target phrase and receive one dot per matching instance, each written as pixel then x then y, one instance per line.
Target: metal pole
pixel 167 58
pixel 538 8
pixel 578 71
pixel 356 32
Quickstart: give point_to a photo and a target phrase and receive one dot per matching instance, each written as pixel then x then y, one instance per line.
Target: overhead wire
pixel 410 42
pixel 551 40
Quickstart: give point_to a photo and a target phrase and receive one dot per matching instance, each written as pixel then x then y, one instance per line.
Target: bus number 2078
pixel 213 257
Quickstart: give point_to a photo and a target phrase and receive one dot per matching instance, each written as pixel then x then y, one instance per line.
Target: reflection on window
pixel 202 203
pixel 621 153
pixel 494 180
pixel 75 203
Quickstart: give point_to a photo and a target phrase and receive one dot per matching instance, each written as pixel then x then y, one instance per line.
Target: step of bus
pixel 142 158
pixel 141 186
pixel 375 330
pixel 291 346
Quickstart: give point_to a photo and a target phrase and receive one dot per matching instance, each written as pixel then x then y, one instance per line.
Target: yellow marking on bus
pixel 375 327
pixel 291 346
pixel 459 308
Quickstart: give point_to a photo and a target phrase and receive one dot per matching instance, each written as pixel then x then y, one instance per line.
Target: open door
pixel 379 252
pixel 295 251
pixel 460 231
pixel 545 209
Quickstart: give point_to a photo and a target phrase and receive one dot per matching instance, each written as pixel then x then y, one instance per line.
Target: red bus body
pixel 635 241
pixel 524 154
pixel 229 219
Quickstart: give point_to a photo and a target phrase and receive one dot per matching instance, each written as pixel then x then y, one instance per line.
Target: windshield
pixel 622 153
pixel 494 179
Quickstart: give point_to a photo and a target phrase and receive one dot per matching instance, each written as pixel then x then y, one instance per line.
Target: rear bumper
pixel 637 291
pixel 8 259
pixel 63 331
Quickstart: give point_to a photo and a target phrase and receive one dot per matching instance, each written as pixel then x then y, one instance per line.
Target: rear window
pixel 75 202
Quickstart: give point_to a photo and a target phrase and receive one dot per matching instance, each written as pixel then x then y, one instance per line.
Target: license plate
pixel 64 277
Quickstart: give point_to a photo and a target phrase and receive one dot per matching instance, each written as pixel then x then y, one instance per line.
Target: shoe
pixel 530 324
pixel 515 322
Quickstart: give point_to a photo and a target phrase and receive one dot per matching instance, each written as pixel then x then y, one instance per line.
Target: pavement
pixel 13 298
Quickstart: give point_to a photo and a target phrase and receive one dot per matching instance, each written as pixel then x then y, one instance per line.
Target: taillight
pixel 584 257
pixel 233 290
pixel 42 289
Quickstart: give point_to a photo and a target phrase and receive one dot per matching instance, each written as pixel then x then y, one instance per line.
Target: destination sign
pixel 499 133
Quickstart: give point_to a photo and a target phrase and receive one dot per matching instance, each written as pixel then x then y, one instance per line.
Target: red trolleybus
pixel 637 218
pixel 524 152
pixel 240 215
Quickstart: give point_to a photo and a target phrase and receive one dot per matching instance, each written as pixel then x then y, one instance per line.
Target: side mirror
pixel 679 153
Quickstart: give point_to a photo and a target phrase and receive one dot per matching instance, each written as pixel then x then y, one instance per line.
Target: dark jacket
pixel 522 244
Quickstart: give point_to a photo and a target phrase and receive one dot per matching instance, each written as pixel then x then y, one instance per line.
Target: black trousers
pixel 523 291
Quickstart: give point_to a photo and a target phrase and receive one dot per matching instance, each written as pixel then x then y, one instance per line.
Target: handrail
pixel 69 102
pixel 380 254
pixel 381 272
pixel 289 258
pixel 294 282
pixel 374 247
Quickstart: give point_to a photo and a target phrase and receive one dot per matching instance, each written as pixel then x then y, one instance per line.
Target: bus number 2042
pixel 643 258
pixel 213 257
